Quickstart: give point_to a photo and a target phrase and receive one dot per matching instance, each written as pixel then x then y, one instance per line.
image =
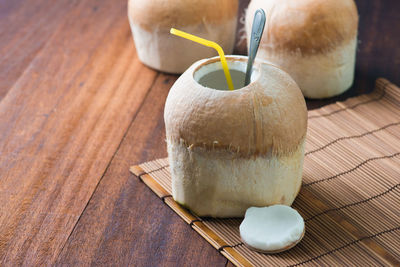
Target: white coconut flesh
pixel 272 229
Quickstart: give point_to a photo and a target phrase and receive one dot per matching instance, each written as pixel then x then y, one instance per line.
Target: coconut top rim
pixel 229 58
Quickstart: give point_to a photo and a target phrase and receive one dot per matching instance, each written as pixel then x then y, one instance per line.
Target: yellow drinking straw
pixel 209 44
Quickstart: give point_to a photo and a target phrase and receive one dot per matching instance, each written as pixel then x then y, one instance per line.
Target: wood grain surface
pixel 77 108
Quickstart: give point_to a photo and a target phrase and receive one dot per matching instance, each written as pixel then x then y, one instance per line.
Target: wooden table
pixel 77 108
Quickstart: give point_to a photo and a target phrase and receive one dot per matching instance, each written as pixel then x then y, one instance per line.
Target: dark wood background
pixel 77 108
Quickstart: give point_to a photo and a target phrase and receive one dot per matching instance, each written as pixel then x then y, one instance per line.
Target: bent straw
pixel 209 44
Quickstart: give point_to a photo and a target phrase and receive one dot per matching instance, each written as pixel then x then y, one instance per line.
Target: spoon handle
pixel 256 33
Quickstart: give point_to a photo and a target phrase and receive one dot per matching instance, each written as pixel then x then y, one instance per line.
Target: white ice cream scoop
pixel 272 229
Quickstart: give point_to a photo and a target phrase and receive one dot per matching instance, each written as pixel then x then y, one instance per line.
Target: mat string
pixel 346 245
pixel 229 246
pixel 354 203
pixel 386 83
pixel 351 137
pixel 352 169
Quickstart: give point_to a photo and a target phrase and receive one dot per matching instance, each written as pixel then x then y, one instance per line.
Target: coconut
pixel 313 40
pixel 272 229
pixel 151 21
pixel 230 150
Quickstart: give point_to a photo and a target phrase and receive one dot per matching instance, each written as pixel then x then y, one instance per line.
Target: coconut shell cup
pixel 230 150
pixel 151 21
pixel 313 40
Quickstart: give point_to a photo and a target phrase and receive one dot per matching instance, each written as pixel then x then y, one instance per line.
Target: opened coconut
pixel 151 21
pixel 230 150
pixel 313 40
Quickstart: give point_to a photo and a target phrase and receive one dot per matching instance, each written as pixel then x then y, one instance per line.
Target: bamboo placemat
pixel 350 198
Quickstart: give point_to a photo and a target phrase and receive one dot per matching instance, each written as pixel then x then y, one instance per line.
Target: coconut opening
pixel 211 74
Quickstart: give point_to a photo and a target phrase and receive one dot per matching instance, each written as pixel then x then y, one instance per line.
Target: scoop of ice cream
pixel 272 229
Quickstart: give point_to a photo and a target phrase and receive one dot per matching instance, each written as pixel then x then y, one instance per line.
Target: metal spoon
pixel 256 33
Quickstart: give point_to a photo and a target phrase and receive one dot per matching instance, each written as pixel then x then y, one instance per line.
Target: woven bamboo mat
pixel 350 198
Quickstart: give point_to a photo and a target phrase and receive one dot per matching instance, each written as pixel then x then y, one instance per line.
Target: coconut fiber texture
pixel 350 197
